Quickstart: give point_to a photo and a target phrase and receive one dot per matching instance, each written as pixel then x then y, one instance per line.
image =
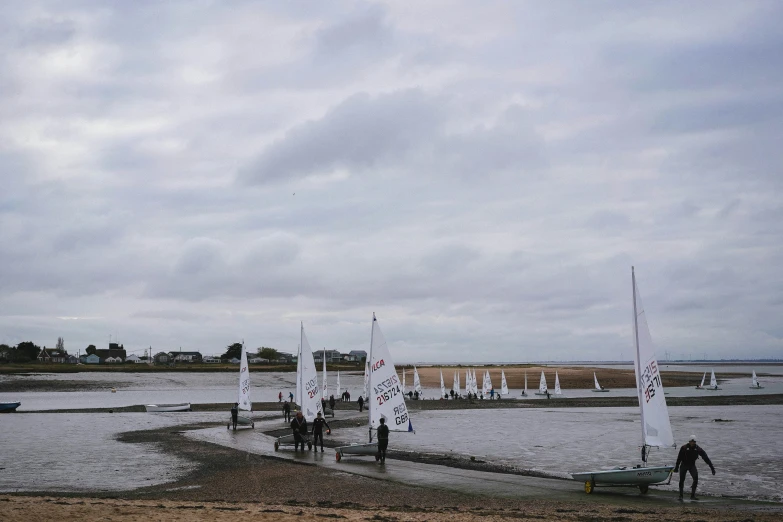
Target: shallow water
pixel 747 452
pixel 169 387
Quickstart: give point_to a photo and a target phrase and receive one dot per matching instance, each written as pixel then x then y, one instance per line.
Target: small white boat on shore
pixel 756 384
pixel 185 406
pixel 701 386
pixel 243 393
pixel 542 388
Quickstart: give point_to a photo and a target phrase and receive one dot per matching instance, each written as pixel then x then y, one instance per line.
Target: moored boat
pixel 185 406
pixel 8 407
pixel 598 387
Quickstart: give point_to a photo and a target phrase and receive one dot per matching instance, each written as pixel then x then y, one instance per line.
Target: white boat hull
pixel 756 387
pixel 168 407
pixel 599 391
pixel 626 477
pixel 241 421
pixel 357 449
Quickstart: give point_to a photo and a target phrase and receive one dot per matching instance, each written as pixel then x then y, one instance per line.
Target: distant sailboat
pixel 416 381
pixel 598 387
pixel 474 383
pixel 524 392
pixel 557 385
pixel 756 384
pixel 503 383
pixel 456 385
pixel 442 387
pixel 243 394
pixel 701 386
pixel 542 388
pixel 403 382
pixel 713 382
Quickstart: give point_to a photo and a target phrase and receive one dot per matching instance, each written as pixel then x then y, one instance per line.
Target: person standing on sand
pixel 383 440
pixel 360 400
pixel 291 396
pixel 331 402
pixel 689 454
pixel 299 426
pixel 235 415
pixel 280 397
pixel 286 411
pixel 318 431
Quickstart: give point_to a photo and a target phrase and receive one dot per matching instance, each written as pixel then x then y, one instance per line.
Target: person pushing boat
pixel 235 415
pixel 689 454
pixel 299 427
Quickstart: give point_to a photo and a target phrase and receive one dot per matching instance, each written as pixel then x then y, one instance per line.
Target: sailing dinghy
pixel 598 387
pixel 308 396
pixel 503 383
pixel 558 391
pixel 701 386
pixel 386 400
pixel 417 383
pixel 713 382
pixel 325 392
pixel 243 394
pixel 656 428
pixel 756 384
pixel 443 394
pixel 524 392
pixel 542 389
pixel 455 385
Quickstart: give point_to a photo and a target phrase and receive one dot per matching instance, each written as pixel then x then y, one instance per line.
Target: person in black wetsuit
pixel 234 415
pixel 318 431
pixel 689 454
pixel 360 400
pixel 287 411
pixel 383 439
pixel 299 426
pixel 332 403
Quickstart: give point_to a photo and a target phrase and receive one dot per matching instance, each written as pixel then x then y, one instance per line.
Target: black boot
pixel 680 497
pixel 693 495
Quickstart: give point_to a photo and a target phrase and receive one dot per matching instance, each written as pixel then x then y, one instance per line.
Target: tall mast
pixel 369 377
pixel 300 366
pixel 638 355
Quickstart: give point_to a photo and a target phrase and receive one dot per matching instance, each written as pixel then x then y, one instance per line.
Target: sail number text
pixel 651 380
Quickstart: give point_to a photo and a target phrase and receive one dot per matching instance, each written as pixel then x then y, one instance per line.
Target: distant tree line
pixel 235 351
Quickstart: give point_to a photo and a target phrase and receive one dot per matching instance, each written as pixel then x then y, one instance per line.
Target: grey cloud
pixel 355 34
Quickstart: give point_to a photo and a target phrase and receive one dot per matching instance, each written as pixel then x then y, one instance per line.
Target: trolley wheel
pixel 338 456
pixel 644 488
pixel 589 486
pixel 309 445
pixel 277 445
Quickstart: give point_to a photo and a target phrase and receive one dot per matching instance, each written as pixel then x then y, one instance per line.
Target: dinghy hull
pixel 599 391
pixel 357 449
pixel 168 407
pixel 625 477
pixel 241 421
pixel 8 407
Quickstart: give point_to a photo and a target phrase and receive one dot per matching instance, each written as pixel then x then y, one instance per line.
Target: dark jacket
pixel 689 455
pixel 286 407
pixel 360 400
pixel 383 432
pixel 234 412
pixel 318 425
pixel 299 428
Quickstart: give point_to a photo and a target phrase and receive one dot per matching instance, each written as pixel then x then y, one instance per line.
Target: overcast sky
pixel 481 175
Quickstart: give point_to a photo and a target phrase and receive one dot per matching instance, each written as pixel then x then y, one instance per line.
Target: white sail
pixel 557 385
pixel 475 382
pixel 525 390
pixel 325 386
pixel 755 380
pixel 468 388
pixel 243 398
pixel 713 380
pixel 503 383
pixel 656 428
pixel 298 390
pixel 489 382
pixel 403 381
pixel 595 378
pixel 366 392
pixel 703 377
pixel 542 384
pixel 455 384
pixel 307 381
pixel 337 391
pixel 442 386
pixel 416 381
pixel 386 399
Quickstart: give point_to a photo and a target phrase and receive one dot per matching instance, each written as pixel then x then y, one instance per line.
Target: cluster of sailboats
pixel 755 384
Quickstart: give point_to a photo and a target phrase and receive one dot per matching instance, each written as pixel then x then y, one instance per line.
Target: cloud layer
pixel 192 174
